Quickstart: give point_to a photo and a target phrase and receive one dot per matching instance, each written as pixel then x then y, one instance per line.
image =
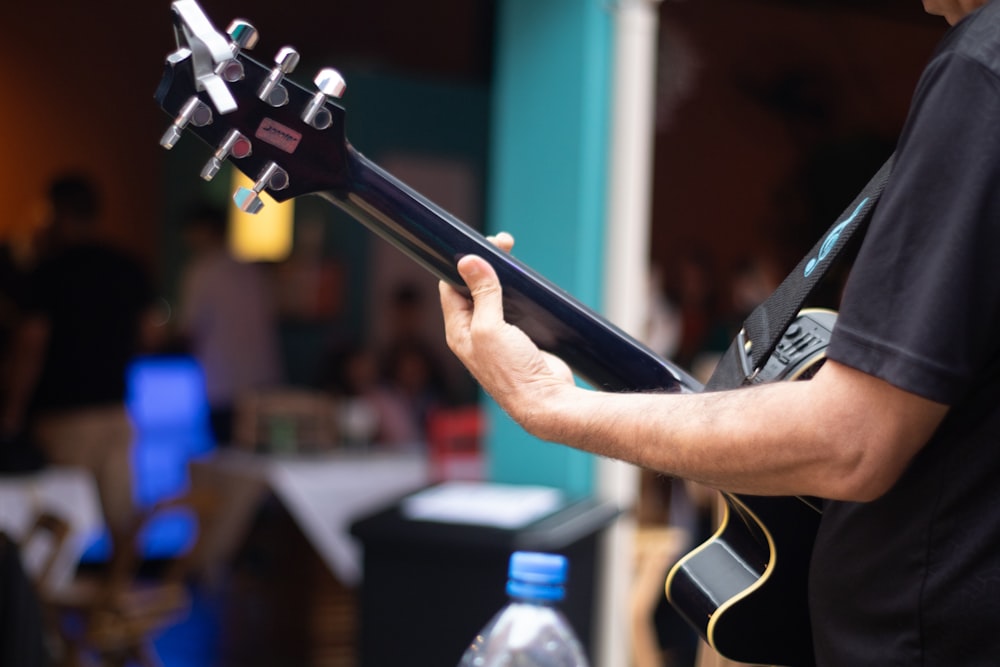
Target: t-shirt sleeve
pixel 921 308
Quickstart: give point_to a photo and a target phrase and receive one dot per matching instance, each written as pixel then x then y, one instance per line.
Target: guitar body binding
pixel 745 589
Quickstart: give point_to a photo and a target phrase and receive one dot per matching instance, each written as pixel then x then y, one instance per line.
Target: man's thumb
pixel 481 280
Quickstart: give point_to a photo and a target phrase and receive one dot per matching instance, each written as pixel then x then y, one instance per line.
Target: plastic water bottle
pixel 529 631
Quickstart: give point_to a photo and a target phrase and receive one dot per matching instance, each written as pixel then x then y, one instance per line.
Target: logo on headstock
pixel 278 135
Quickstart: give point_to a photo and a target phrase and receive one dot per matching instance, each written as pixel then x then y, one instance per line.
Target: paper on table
pixel 482 503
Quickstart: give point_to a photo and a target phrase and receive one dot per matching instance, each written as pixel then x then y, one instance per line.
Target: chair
pixel 286 419
pixel 656 548
pixel 113 615
pixel 41 544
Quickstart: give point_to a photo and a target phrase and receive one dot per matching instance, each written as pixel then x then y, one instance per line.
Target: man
pixel 227 319
pixel 901 427
pixel 90 309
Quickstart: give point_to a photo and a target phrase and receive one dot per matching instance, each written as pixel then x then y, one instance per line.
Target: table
pixel 324 493
pixel 68 492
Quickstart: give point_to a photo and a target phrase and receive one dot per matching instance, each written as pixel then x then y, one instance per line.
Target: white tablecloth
pixel 68 492
pixel 324 494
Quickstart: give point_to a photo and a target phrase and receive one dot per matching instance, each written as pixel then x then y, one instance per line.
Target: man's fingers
pixel 502 240
pixel 485 289
pixel 457 311
pixel 451 299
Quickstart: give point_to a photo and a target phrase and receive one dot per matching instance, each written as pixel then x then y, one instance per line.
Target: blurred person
pixel 354 378
pixel 411 376
pixel 662 331
pixel 414 360
pixel 226 319
pixel 692 291
pixel 89 310
pixel 754 278
pixel 18 452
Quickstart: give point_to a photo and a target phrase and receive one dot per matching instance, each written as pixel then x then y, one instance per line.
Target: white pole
pixel 625 288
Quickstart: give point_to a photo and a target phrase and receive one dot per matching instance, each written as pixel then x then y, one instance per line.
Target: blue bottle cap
pixel 537 576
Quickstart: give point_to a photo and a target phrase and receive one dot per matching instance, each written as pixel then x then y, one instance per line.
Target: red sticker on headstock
pixel 278 135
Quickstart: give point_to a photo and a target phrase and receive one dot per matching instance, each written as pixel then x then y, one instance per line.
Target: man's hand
pixel 843 435
pixel 508 364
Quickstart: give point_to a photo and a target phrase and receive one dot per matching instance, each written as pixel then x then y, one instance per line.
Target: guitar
pixel 291 142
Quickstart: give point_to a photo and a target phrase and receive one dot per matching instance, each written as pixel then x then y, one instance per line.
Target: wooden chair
pixel 112 616
pixel 42 543
pixel 286 419
pixel 656 549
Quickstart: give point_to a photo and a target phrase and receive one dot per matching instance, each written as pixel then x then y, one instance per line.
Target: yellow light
pixel 262 237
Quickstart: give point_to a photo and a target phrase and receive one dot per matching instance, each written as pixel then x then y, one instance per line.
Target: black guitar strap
pixel 764 327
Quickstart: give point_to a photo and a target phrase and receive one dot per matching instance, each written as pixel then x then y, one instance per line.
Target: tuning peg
pixel 242 36
pixel 233 144
pixel 331 85
pixel 272 176
pixel 195 112
pixel 271 91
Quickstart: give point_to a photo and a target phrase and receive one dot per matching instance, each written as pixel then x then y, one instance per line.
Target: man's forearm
pixel 844 434
pixel 835 438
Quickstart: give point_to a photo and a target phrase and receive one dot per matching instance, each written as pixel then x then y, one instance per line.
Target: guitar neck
pixel 599 352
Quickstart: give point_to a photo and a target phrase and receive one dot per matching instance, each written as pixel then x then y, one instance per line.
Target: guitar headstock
pixel 287 139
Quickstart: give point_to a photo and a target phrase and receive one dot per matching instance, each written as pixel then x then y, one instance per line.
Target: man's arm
pixel 843 435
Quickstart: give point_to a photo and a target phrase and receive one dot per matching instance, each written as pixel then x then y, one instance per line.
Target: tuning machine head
pixel 272 176
pixel 242 36
pixel 194 112
pixel 271 91
pixel 235 145
pixel 331 85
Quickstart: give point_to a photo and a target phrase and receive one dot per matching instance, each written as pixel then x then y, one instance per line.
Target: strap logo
pixel 831 240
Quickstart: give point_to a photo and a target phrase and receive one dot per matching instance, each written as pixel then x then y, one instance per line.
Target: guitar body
pixel 745 589
pixel 744 599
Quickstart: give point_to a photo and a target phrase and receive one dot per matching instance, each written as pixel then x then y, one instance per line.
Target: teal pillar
pixel 548 175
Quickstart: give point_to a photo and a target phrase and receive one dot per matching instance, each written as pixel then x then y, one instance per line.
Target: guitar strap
pixel 764 326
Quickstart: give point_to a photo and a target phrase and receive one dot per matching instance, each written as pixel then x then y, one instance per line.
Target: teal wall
pixel 551 108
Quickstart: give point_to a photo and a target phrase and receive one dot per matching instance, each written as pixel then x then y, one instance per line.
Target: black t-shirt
pixel 93 297
pixel 913 578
